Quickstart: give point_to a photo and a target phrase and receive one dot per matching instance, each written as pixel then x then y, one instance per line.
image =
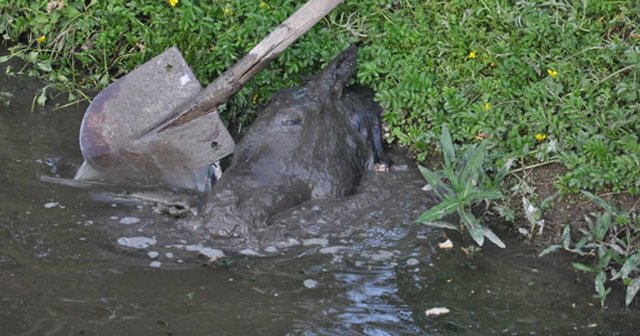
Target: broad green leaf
pixel 550 249
pixel 598 200
pixel 440 188
pixel 442 225
pixel 583 267
pixel 446 143
pixel 42 98
pixel 450 174
pixel 483 195
pixel 601 277
pixel 631 264
pixel 603 222
pixel 475 229
pixel 580 244
pixel 545 202
pixel 474 164
pixel 602 291
pixel 32 56
pixel 632 290
pixel 566 237
pixel 493 237
pixel 46 67
pixel 446 207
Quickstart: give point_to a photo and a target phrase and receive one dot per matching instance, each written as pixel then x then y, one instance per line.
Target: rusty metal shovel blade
pixel 157 124
pixel 111 134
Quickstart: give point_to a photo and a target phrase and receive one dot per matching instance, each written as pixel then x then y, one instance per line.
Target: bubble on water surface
pixel 208 252
pixel 413 262
pixel 136 242
pixel 129 220
pixel 310 283
pixel 51 205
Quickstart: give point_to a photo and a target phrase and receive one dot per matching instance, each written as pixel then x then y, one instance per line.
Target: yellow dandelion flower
pixel 472 54
pixel 540 136
pixel 264 5
pixel 552 73
pixel 40 39
pixel 487 106
pixel 227 11
pixel 173 3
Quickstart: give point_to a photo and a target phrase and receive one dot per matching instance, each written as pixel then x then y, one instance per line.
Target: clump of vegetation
pixel 612 237
pixel 461 184
pixel 80 46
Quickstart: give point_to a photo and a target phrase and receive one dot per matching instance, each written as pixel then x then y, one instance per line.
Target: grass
pixel 534 81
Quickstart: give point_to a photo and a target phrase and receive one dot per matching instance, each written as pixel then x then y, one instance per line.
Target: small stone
pixel 51 205
pixel 129 220
pixel 413 262
pixel 446 245
pixel 310 283
pixel 438 311
pixel 155 264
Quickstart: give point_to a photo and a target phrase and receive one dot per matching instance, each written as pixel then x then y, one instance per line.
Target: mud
pixel 309 142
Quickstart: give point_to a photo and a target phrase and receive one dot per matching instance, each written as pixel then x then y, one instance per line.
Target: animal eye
pixel 291 122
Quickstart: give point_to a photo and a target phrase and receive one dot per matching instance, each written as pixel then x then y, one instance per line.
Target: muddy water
pixel 356 266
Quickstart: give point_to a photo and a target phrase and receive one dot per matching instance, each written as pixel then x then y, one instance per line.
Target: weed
pixel 460 184
pixel 612 238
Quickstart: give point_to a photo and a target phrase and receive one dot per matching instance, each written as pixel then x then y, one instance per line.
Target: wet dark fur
pixel 313 141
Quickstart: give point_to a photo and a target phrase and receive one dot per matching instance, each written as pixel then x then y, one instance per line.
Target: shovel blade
pixel 111 138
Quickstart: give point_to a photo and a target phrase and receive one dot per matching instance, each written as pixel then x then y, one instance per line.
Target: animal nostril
pixel 290 122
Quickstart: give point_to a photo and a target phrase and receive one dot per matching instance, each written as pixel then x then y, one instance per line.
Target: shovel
pixel 157 124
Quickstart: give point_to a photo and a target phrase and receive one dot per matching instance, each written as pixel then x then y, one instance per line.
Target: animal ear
pixel 337 74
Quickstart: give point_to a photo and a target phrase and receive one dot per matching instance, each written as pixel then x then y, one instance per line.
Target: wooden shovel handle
pixel 232 80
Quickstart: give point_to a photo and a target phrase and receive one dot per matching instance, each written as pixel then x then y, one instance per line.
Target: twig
pixel 533 166
pixel 615 73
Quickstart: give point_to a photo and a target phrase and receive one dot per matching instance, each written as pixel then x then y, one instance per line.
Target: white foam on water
pixel 136 242
pixel 129 220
